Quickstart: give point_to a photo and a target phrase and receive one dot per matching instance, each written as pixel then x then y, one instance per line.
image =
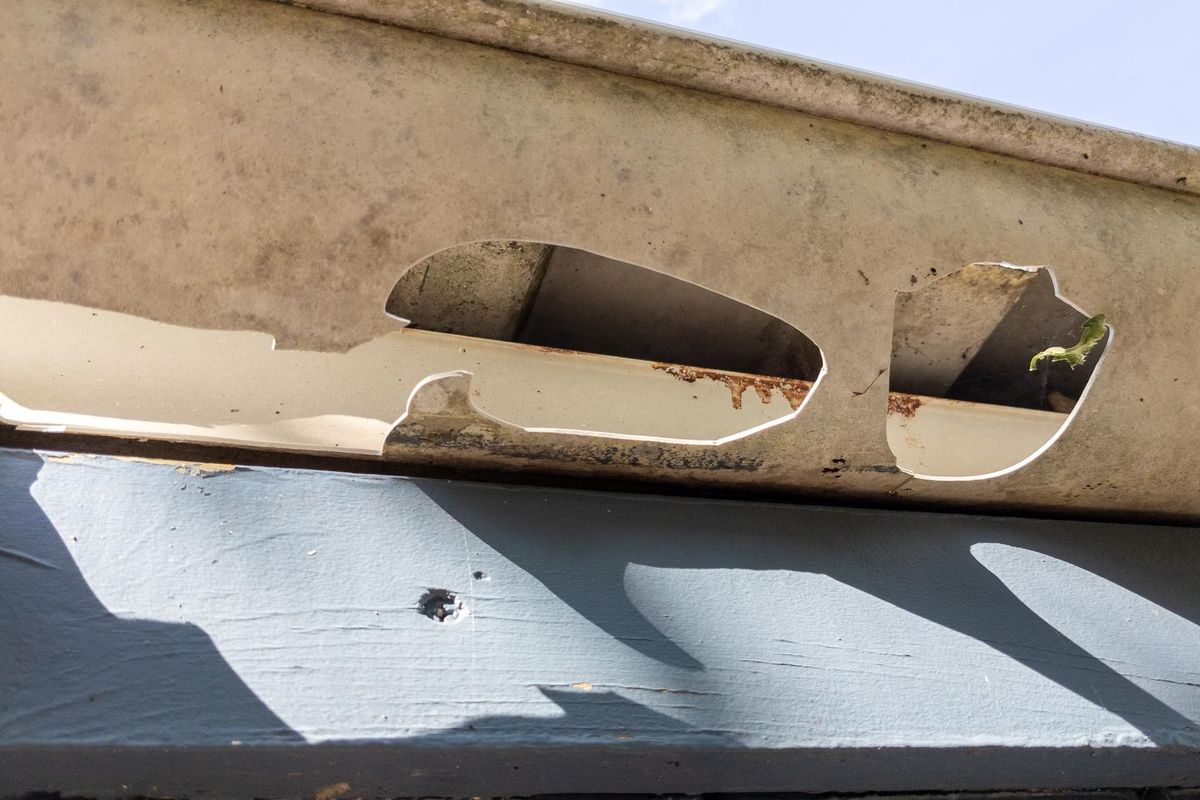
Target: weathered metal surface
pixel 181 630
pixel 243 165
pixel 116 375
pixel 948 439
pixel 966 337
pixel 600 305
pixel 940 328
pixel 765 386
pixel 442 424
pixel 692 60
pixel 482 289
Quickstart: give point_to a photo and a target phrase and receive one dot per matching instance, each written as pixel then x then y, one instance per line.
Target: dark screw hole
pixel 438 604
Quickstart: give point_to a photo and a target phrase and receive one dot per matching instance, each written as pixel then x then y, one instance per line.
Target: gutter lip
pixel 615 43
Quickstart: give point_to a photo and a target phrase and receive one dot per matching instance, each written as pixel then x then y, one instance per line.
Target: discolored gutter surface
pixel 626 46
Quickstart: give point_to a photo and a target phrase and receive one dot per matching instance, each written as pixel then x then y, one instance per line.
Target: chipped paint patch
pixel 190 468
pixel 331 791
pixel 202 468
pixel 68 458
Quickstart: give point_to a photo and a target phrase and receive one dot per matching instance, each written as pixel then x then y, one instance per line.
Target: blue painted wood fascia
pixel 168 630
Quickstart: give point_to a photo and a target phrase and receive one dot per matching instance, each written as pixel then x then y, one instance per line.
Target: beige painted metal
pixel 938 330
pixel 253 166
pixel 482 289
pixel 113 374
pixel 952 440
pixel 625 46
pixel 109 371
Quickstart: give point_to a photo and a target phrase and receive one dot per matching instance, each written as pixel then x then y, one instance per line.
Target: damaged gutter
pixel 631 47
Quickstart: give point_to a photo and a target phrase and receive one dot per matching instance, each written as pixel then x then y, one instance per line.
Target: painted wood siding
pixel 172 629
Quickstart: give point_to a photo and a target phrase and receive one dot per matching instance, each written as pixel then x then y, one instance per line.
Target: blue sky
pixel 1131 65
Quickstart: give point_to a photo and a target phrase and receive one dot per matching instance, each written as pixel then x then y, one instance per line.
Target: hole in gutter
pixel 109 373
pixel 733 361
pixel 963 343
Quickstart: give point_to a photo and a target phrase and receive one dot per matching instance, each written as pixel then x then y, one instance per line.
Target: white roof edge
pixel 586 37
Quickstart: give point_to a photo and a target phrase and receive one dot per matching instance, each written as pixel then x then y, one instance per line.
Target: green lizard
pixel 1090 335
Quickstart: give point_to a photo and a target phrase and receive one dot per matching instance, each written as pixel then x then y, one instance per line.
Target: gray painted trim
pixel 174 630
pixel 630 47
pixel 449 769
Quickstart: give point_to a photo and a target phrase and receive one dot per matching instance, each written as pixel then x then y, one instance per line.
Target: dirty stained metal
pixel 481 289
pixel 443 425
pixel 905 405
pixel 794 391
pixel 482 447
pixel 592 38
pixel 208 199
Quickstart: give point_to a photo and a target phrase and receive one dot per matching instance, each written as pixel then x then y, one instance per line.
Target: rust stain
pixel 793 390
pixel 559 351
pixel 905 405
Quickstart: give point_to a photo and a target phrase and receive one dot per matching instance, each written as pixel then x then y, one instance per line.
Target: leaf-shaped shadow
pixel 578 544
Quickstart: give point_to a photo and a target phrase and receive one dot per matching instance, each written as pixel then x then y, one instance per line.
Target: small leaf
pixel 1091 332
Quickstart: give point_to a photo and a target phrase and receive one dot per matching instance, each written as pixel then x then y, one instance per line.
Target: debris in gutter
pixel 1091 332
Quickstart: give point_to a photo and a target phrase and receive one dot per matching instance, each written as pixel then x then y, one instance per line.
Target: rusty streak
pixel 905 405
pixel 793 390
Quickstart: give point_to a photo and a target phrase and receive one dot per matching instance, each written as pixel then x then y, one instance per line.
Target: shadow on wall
pixel 586 713
pixel 919 562
pixel 71 670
